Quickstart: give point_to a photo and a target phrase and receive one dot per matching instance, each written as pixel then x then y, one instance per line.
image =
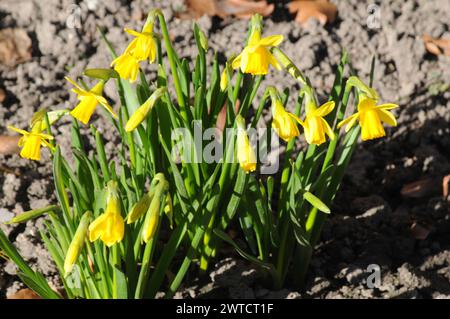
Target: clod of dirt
pixel 322 10
pixel 15 46
pixel 8 144
pixel 223 8
pixel 437 46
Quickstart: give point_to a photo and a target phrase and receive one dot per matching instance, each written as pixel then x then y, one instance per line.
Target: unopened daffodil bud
pixel 109 226
pixel 224 79
pixel 168 209
pixel 139 208
pixel 141 113
pixel 245 153
pixel 77 243
pixel 152 217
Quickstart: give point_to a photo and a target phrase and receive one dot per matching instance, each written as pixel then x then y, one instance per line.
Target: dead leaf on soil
pixel 240 8
pixel 420 188
pixel 321 10
pixel 419 231
pixel 445 184
pixel 2 95
pixel 8 144
pixel 437 46
pixel 15 46
pixel 25 294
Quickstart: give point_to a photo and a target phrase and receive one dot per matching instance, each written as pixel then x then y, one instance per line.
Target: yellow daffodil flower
pixel 143 46
pixel 256 56
pixel 245 153
pixel 370 117
pixel 315 126
pixel 31 142
pixel 109 226
pixel 141 113
pixel 89 101
pixel 127 66
pixel 283 122
pixel 77 243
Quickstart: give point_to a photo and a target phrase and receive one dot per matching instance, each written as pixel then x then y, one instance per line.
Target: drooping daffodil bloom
pixel 89 101
pixel 315 126
pixel 109 226
pixel 283 122
pixel 370 116
pixel 256 56
pixel 143 46
pixel 32 141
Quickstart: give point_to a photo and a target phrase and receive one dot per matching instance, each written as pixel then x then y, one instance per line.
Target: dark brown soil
pixel 372 223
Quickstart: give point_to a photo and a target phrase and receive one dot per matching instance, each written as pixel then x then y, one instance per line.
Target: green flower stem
pixel 173 65
pixel 289 66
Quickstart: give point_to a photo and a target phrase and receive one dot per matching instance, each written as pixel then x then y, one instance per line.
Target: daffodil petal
pixel 387 106
pixel 132 32
pixel 237 61
pixel 387 117
pixel 350 121
pixel 274 62
pixel 328 129
pixel 325 109
pixel 75 84
pixel 271 41
pixel 18 130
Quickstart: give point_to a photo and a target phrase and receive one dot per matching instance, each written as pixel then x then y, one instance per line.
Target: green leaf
pixel 316 202
pixel 31 214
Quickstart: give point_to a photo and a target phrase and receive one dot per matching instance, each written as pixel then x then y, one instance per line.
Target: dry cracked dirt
pixel 408 237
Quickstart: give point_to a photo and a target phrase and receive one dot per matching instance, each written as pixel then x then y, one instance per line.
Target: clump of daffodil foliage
pixel 120 222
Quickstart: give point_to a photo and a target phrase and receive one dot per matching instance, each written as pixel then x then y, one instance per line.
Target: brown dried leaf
pixel 15 46
pixel 223 8
pixel 322 10
pixel 2 95
pixel 419 231
pixel 25 294
pixel 445 184
pixel 437 46
pixel 420 188
pixel 8 144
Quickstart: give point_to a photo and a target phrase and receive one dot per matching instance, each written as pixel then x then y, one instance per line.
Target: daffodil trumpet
pixel 89 101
